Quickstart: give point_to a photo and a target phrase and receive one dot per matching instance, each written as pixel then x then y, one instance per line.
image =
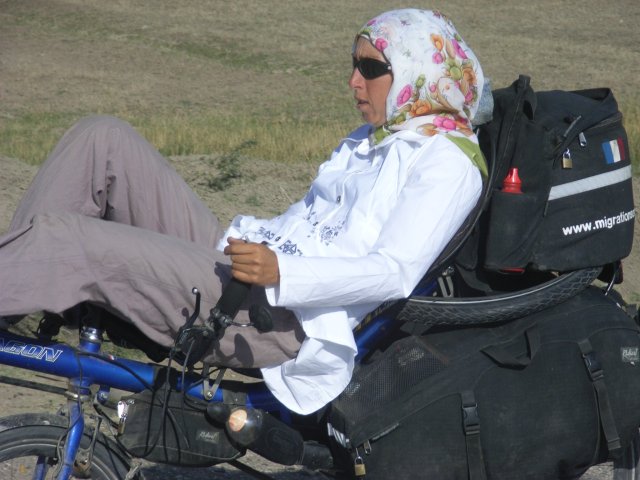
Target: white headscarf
pixel 437 79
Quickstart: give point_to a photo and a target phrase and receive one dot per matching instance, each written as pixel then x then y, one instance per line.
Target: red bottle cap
pixel 512 182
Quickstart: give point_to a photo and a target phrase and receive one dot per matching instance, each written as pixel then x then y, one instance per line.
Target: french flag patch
pixel 613 150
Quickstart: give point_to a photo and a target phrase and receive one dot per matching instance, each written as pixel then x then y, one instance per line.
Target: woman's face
pixel 370 95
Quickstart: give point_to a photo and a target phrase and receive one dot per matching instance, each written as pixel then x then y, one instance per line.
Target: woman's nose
pixel 356 80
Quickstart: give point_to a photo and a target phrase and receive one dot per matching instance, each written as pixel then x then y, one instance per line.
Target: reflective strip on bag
pixel 590 183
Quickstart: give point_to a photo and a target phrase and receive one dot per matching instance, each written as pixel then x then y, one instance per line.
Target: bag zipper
pixel 582 139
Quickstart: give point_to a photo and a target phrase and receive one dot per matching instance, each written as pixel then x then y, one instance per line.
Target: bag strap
pixel 511 104
pixel 594 368
pixel 501 355
pixel 471 426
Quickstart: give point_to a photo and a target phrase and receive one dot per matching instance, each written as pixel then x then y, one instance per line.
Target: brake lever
pixel 196 308
pixel 194 316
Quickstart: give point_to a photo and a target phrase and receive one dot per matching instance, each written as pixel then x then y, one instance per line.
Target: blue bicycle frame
pixel 86 366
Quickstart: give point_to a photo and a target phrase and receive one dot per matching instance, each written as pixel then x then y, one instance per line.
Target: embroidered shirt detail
pixel 290 248
pixel 329 232
pixel 266 233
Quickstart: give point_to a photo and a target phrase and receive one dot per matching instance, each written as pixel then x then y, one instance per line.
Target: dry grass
pixel 200 77
pixel 284 141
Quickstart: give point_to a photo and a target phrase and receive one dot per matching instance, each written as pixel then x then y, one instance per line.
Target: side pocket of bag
pixel 513 228
pixel 515 218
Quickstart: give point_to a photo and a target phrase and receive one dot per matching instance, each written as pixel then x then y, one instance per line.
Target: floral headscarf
pixel 437 79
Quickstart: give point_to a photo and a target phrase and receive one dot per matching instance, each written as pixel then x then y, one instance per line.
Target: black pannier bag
pixel 541 397
pixel 164 426
pixel 574 205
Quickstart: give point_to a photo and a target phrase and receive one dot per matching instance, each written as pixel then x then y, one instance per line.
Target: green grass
pixel 282 141
pixel 30 137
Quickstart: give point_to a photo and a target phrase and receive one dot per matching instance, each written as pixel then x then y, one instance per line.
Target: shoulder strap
pixel 511 104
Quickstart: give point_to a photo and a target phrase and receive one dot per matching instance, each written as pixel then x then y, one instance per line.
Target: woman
pixel 377 215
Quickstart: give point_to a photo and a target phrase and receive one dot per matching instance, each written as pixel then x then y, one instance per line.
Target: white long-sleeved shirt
pixel 373 221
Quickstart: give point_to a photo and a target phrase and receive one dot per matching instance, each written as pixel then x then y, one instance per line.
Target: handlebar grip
pixel 232 297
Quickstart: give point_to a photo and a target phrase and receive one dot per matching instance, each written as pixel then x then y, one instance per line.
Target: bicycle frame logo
pixel 38 352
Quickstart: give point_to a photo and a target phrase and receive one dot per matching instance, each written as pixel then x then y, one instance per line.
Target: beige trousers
pixel 108 221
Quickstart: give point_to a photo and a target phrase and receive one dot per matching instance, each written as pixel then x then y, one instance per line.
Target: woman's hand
pixel 252 262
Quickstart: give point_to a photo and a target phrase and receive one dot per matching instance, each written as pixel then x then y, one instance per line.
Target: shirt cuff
pixel 275 293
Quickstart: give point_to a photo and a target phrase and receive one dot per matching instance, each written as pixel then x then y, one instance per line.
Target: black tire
pixel 496 308
pixel 627 467
pixel 21 447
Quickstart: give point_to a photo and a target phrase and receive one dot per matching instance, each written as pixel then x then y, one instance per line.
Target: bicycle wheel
pixel 497 308
pixel 26 449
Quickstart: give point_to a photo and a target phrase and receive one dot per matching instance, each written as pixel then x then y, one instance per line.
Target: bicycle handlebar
pixel 232 297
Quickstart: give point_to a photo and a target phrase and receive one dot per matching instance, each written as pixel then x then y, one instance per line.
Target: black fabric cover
pixel 565 218
pixel 538 415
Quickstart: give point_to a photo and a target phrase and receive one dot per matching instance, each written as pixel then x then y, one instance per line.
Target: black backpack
pixel 574 208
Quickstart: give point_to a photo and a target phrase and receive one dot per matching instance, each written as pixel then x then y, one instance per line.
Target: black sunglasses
pixel 371 68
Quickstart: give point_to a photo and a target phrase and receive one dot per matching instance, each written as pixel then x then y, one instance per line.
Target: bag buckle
pixel 471 419
pixel 594 367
